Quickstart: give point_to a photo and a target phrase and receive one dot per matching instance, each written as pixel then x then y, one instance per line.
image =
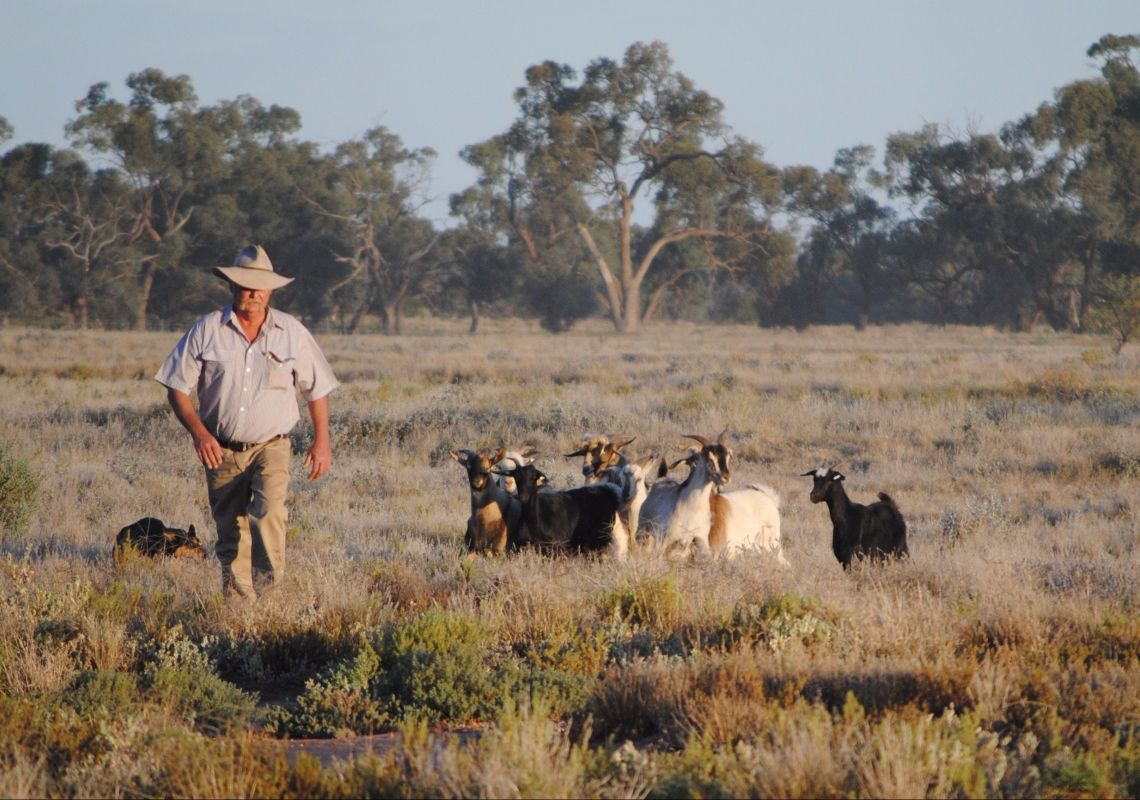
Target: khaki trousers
pixel 247 500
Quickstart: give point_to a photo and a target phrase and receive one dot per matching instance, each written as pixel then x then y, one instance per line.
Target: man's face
pixel 250 302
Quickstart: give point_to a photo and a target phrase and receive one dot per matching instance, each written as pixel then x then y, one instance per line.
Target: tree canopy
pixel 616 189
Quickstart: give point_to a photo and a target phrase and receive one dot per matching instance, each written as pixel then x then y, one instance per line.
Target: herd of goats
pixel 633 504
pixel 623 505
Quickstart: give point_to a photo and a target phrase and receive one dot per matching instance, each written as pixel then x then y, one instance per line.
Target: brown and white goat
pixel 496 515
pixel 703 515
pixel 600 454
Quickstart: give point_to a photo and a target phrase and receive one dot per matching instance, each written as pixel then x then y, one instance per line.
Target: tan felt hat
pixel 252 269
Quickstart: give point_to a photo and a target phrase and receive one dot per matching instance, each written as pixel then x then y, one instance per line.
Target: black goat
pixel 579 520
pixel 876 531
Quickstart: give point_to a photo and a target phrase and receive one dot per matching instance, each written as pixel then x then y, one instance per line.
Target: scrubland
pixel 1001 659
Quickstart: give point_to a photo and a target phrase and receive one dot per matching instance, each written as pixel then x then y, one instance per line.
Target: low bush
pixel 19 491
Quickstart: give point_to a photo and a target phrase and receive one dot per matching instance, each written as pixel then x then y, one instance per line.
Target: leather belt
pixel 241 447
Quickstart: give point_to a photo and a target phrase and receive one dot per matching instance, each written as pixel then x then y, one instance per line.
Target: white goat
pixel 698 512
pixel 691 521
pixel 747 519
pixel 631 478
pixel 660 502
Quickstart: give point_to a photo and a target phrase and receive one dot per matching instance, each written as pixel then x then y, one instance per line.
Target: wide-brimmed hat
pixel 252 269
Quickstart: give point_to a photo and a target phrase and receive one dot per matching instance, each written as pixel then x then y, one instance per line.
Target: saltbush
pixel 19 491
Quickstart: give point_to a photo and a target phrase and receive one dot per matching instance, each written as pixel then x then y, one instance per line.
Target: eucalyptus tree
pixel 525 208
pixel 372 188
pixel 585 154
pixel 88 218
pixel 165 148
pixel 990 204
pixel 850 226
pixel 1092 130
pixel 29 283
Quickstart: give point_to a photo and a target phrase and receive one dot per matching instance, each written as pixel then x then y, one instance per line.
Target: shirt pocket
pixel 280 371
pixel 214 365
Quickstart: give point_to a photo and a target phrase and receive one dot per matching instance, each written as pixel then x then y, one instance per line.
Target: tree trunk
pixel 474 307
pixel 631 307
pixel 146 285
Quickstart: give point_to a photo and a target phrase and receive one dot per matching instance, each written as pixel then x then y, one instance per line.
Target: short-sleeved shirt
pixel 247 390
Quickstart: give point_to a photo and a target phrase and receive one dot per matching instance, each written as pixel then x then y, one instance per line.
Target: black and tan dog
pixel 153 538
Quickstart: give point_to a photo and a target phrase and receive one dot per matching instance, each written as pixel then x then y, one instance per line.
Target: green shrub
pixel 339 701
pixel 776 622
pixel 19 490
pixel 96 690
pixel 438 668
pixel 201 698
pixel 656 603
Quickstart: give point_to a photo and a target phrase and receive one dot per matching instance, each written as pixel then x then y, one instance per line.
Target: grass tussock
pixel 1001 659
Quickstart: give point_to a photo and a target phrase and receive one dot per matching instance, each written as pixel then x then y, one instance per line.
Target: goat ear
pixel 460 455
pixel 580 452
pixel 720 439
pixel 495 459
pixel 838 476
pixel 809 474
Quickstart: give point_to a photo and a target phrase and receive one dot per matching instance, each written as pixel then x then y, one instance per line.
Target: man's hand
pixel 205 445
pixel 318 459
pixel 208 450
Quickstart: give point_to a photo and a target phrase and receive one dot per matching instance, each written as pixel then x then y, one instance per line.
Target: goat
pixel 153 538
pixel 660 501
pixel 581 519
pixel 496 515
pixel 691 519
pixel 600 454
pixel 746 519
pixel 631 478
pixel 876 531
pixel 698 510
pixel 510 459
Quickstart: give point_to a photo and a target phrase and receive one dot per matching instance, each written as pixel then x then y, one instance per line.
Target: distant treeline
pixel 619 192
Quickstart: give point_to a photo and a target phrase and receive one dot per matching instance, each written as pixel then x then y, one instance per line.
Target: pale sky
pixel 801 78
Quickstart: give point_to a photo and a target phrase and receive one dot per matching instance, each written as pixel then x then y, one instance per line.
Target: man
pixel 246 362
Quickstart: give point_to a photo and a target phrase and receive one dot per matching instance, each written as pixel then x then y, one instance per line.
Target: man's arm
pixel 319 458
pixel 205 445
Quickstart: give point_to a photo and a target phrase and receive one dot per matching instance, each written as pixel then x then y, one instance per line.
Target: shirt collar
pixel 271 320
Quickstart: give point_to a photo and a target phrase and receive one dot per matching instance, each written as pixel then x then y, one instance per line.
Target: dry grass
pixel 1002 660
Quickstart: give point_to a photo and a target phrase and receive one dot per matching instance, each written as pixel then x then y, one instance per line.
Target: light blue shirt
pixel 247 391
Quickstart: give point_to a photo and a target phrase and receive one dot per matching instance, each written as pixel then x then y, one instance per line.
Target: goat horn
pixel 499 455
pixel 720 439
pixel 623 444
pixel 695 437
